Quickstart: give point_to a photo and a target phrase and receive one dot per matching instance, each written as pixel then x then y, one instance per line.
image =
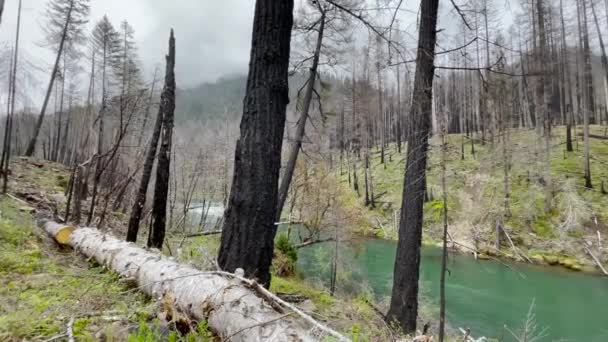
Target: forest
pixel 359 170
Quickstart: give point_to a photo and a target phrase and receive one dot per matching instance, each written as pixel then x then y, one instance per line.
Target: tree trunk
pixel 299 137
pixel 589 108
pixel 249 229
pixel 544 87
pixel 236 309
pixel 31 148
pixel 601 40
pixel 140 198
pixel 404 299
pixel 10 115
pixel 569 103
pixel 159 205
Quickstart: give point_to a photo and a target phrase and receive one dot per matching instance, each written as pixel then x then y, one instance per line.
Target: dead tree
pixel 404 299
pixel 140 198
pixel 6 149
pixel 159 205
pixel 67 17
pixel 299 136
pixel 249 229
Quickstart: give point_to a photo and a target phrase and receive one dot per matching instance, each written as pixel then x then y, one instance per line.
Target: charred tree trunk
pixel 140 198
pixel 249 229
pixel 299 137
pixel 161 189
pixel 404 300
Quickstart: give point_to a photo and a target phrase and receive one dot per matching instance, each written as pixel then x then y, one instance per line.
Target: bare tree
pixel 404 299
pixel 6 149
pixel 140 197
pixel 159 206
pixel 300 130
pixel 66 19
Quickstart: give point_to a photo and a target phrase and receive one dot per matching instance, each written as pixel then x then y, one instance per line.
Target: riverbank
pixel 561 236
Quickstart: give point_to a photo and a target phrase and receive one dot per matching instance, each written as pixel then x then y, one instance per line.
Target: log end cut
pixel 60 232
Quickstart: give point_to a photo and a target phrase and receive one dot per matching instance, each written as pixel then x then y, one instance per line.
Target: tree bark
pixel 301 129
pixel 218 298
pixel 249 229
pixel 570 102
pixel 140 198
pixel 163 167
pixel 544 91
pixel 404 299
pixel 31 148
pixel 6 151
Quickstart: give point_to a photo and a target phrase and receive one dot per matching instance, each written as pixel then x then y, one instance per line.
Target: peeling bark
pixel 233 309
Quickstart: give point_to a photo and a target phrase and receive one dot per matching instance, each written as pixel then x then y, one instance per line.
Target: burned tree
pixel 161 189
pixel 404 299
pixel 140 198
pixel 249 230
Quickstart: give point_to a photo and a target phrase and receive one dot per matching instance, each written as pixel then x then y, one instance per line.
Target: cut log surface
pixel 232 308
pixel 60 232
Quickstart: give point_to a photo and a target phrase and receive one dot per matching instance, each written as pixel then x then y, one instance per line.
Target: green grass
pixel 41 287
pixel 476 185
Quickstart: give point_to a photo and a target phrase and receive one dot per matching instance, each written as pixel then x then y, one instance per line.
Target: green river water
pixel 481 295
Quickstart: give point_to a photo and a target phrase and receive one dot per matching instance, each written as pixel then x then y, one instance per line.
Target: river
pixel 481 295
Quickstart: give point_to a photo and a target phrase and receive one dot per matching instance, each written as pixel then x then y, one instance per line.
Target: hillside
pixel 476 199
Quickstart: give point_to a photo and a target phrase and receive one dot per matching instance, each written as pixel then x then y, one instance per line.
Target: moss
pixel 62 182
pixel 542 227
pixel 320 298
pixel 37 285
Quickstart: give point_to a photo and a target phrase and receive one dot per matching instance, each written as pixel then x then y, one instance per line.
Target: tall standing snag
pixel 161 189
pixel 140 199
pixel 66 20
pixel 404 299
pixel 249 230
pixel 299 137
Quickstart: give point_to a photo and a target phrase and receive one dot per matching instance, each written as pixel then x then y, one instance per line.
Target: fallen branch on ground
pixel 599 264
pixel 70 330
pixel 313 242
pixel 232 305
pixel 515 249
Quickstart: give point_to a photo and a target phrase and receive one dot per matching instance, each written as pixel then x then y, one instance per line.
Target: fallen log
pixel 234 307
pixel 212 232
pixel 595 136
pixel 313 242
pixel 597 261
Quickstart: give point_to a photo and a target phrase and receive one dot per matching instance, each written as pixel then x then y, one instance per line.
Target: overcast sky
pixel 213 36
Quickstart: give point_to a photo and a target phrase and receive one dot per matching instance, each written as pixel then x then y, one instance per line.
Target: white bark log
pixel 233 310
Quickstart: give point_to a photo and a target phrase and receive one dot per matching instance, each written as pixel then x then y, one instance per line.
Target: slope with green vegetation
pixel 476 197
pixel 46 291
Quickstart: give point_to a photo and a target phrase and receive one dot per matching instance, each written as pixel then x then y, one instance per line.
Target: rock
pixel 482 256
pixel 551 259
pixel 570 263
pixel 537 258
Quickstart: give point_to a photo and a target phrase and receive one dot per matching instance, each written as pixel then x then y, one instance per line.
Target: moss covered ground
pixel 43 287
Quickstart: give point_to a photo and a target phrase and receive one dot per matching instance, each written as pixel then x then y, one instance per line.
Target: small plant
pixel 286 247
pixel 286 256
pixel 530 331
